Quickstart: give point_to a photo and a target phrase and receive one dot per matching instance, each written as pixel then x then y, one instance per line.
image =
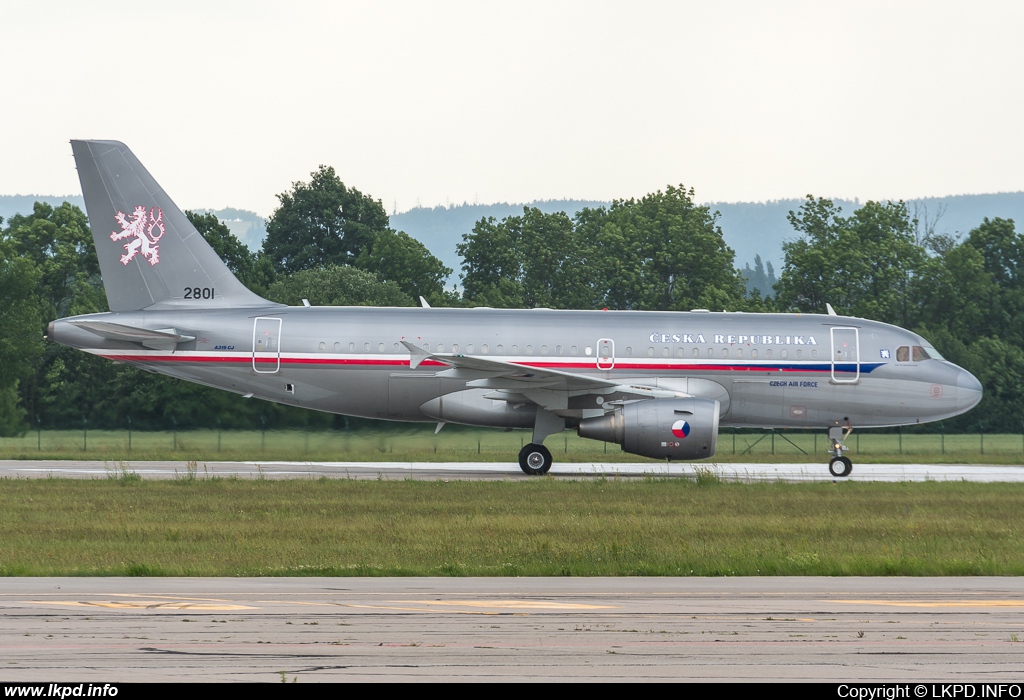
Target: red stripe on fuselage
pixel 248 359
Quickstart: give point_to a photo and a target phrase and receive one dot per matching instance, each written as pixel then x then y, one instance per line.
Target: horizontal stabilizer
pixel 164 339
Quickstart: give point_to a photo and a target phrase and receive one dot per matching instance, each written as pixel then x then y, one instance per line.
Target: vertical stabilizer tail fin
pixel 150 254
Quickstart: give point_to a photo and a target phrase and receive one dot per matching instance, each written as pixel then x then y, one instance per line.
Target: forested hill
pixel 749 228
pixel 11 204
pixel 440 229
pixel 249 227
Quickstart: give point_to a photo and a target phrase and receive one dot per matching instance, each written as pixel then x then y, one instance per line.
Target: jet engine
pixel 673 429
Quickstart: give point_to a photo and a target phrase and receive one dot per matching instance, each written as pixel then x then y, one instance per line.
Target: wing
pixel 551 389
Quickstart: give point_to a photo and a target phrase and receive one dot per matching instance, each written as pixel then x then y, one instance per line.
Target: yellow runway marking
pixel 517 604
pixel 939 604
pixel 422 610
pixel 168 597
pixel 142 605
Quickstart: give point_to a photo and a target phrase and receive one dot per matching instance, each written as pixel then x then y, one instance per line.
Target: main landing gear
pixel 535 459
pixel 839 465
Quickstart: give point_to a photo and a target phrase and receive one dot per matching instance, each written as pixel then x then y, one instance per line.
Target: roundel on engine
pixel 680 428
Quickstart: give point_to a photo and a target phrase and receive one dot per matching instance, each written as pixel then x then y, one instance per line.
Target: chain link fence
pixel 456 443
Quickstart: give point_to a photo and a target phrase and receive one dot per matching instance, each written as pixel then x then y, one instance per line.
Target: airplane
pixel 659 384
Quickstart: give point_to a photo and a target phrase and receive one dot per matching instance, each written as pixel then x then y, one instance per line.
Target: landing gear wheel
pixel 535 459
pixel 840 466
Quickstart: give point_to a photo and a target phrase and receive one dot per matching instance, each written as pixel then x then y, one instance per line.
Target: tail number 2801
pixel 199 293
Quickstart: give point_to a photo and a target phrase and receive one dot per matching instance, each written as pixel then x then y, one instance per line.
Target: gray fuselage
pixel 766 370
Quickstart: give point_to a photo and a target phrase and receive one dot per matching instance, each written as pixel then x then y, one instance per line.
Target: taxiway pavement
pixel 443 629
pixel 80 469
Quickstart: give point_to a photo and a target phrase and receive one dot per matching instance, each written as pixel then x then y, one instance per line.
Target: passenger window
pixel 739 353
pixel 351 347
pixel 469 348
pixel 725 352
pixel 768 353
pixel 696 352
pixel 665 351
pixel 366 347
pixel 440 347
pixel 650 352
pixel 920 354
pixel 455 347
pixel 711 352
pixel 483 348
pixel 629 352
pixel 515 349
pixel 426 346
pixel 799 354
pixel 573 351
pixel 679 352
pixel 814 354
pixel 753 354
pixel 380 347
pixel 529 349
pixel 323 346
pixel 588 351
pixel 903 354
pixel 543 349
pixel 500 349
pixel 558 349
pixel 784 354
pixel 394 348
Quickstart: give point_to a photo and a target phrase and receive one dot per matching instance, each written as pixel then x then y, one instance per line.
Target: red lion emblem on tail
pixel 140 228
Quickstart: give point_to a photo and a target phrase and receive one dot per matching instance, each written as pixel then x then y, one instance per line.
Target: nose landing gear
pixel 839 465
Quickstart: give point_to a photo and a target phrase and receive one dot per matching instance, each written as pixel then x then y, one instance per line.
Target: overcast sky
pixel 228 103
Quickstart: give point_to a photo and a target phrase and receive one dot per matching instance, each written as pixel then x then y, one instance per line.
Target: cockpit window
pixel 917 353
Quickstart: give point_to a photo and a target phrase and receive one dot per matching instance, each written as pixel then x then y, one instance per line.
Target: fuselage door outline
pixel 845 352
pixel 266 345
pixel 605 354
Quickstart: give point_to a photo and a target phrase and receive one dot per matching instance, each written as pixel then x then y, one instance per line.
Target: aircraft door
pixel 606 353
pixel 845 355
pixel 266 345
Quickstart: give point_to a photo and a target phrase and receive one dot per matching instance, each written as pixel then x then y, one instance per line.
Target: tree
pixel 21 339
pixel 759 280
pixel 397 256
pixel 337 285
pixel 48 269
pixel 59 243
pixel 662 252
pixel 1001 250
pixel 252 270
pixel 321 223
pixel 954 292
pixel 863 264
pixel 528 261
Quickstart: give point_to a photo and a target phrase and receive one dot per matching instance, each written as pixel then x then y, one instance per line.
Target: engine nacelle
pixel 673 429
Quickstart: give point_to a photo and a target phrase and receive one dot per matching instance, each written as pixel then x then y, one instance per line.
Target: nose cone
pixel 968 391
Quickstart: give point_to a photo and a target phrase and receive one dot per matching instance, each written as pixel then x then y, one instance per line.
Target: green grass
pixel 194 526
pixel 457 444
